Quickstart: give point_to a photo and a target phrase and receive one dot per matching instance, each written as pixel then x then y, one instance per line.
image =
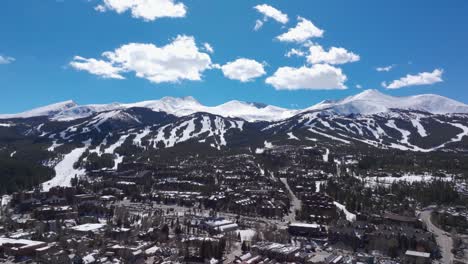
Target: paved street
pixel 444 240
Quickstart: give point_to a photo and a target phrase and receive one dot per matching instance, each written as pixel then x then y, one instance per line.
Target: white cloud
pixel 148 10
pixel 303 31
pixel 295 52
pixel 174 62
pixel 6 59
pixel 358 86
pixel 423 78
pixel 316 77
pixel 258 24
pixel 208 48
pixel 270 12
pixel 100 8
pixel 385 68
pixel 243 70
pixel 333 56
pixel 101 68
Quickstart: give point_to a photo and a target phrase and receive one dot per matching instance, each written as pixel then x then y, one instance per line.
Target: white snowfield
pixel 373 102
pixel 64 171
pixel 246 235
pixel 365 103
pixel 349 216
pixel 69 110
pixel 216 129
pixel 348 129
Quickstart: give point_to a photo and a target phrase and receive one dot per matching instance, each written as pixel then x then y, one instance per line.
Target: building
pixel 306 230
pixel 416 257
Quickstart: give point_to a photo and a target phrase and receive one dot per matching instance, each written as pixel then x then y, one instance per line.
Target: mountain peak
pixel 373 101
pixel 367 102
pixel 179 100
pixel 49 110
pixel 370 94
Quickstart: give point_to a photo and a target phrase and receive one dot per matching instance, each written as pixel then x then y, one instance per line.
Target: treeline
pixel 398 196
pixel 18 175
pixel 412 161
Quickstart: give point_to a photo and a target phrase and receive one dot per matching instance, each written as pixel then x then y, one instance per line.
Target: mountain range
pixel 367 102
pixel 73 138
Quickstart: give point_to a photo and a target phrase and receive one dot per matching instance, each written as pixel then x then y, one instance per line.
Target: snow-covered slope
pixel 373 101
pixel 365 103
pixel 49 110
pixel 82 111
pixel 237 109
pixel 185 106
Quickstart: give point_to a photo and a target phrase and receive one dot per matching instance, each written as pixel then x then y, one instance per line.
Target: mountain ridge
pixel 364 103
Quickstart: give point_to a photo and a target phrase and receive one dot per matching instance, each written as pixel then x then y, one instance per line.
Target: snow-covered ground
pixel 318 185
pixel 64 171
pixel 349 216
pixel 417 124
pixel 6 200
pixel 267 145
pixel 410 178
pixel 292 136
pixel 325 156
pixel 329 136
pixel 373 101
pixel 404 133
pixel 246 235
pixel 54 146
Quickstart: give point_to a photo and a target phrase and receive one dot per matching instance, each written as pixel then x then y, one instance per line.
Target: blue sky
pixel 40 39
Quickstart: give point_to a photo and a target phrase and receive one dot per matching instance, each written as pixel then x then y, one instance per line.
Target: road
pixel 444 240
pixel 296 203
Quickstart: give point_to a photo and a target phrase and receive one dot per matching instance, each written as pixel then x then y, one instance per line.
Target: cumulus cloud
pixel 303 31
pixel 148 10
pixel 270 12
pixel 358 86
pixel 179 60
pixel 243 70
pixel 6 59
pixel 385 68
pixel 101 68
pixel 423 78
pixel 316 77
pixel 333 56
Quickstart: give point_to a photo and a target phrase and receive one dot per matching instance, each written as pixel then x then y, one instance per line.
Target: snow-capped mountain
pixel 49 110
pixel 72 139
pixel 68 110
pixel 422 123
pixel 365 103
pixel 236 109
pixel 373 101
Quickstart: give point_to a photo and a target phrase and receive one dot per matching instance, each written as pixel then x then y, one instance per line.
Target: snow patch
pixel 349 216
pixel 64 171
pixel 292 136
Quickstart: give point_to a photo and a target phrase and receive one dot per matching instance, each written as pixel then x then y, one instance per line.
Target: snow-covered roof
pixel 25 243
pixel 88 227
pixel 304 225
